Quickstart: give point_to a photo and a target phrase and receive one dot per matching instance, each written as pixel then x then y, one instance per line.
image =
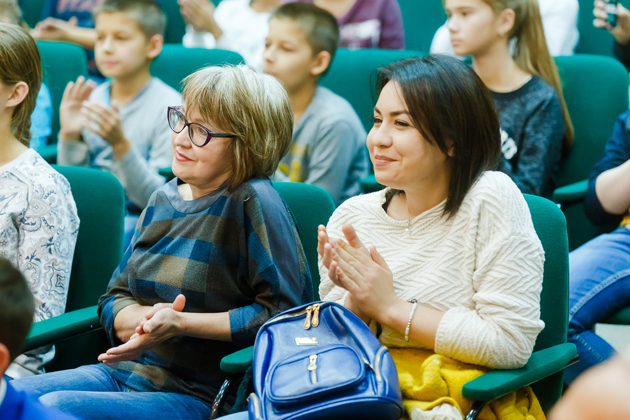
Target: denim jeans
pixel 599 286
pixel 90 392
pixel 243 415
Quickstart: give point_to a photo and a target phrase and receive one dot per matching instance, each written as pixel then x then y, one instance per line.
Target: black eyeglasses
pixel 199 135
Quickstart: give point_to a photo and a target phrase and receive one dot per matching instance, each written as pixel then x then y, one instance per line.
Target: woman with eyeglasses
pixel 215 254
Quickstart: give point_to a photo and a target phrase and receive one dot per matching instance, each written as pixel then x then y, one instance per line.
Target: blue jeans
pixel 599 286
pixel 243 415
pixel 90 392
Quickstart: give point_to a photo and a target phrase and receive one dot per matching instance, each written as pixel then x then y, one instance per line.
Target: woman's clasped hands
pixel 361 271
pixel 161 322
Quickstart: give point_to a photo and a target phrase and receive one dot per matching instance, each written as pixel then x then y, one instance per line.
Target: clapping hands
pixel 160 323
pixel 77 112
pixel 362 272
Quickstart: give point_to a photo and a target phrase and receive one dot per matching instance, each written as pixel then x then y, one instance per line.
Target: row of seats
pixel 421 19
pixel 595 88
pixel 79 337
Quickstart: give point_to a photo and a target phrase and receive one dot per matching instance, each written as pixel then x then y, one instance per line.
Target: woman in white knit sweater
pixel 447 232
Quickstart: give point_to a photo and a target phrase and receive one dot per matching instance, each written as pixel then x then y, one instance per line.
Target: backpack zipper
pixel 256 408
pixel 307 321
pixel 316 314
pixel 377 363
pixel 312 366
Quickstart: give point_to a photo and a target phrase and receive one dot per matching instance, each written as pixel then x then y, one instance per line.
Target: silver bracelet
pixel 413 310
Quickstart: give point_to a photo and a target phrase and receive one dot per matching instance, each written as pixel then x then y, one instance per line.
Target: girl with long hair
pixel 507 43
pixel 38 217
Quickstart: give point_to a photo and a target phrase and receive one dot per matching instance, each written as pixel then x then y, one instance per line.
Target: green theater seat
pixel 100 201
pixel 421 19
pixel 596 92
pixel 175 62
pixel 62 63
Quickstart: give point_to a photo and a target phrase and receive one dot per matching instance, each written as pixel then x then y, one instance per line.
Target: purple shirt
pixel 371 24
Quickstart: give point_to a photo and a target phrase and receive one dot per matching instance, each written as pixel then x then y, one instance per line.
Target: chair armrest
pixel 571 193
pixel 166 173
pixel 620 318
pixel 49 153
pixel 63 326
pixel 238 362
pixel 370 185
pixel 541 364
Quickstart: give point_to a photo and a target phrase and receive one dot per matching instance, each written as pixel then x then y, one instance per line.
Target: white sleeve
pixel 196 39
pixel 560 20
pixel 501 329
pixel 47 237
pixel 441 43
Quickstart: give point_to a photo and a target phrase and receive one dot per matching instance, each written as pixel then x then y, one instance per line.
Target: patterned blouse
pixel 38 231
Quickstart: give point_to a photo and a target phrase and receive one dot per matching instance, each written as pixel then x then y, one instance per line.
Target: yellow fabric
pixel 428 380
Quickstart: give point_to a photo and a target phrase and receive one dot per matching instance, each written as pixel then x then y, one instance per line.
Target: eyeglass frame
pixel 209 133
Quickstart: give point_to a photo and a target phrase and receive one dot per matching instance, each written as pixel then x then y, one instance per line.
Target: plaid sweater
pixel 233 251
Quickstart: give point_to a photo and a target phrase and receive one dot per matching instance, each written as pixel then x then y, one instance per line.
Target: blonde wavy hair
pixel 253 107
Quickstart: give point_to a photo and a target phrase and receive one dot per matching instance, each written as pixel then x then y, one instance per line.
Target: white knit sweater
pixel 483 268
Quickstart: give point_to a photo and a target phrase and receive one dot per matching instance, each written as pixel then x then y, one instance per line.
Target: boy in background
pixel 328 147
pixel 121 125
pixel 16 318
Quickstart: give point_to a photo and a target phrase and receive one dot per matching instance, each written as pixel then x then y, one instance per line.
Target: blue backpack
pixel 320 361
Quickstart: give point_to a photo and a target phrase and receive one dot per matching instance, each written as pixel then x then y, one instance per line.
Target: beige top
pixel 483 268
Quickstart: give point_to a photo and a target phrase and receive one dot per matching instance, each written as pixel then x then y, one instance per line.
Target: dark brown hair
pixel 20 63
pixel 447 101
pixel 18 308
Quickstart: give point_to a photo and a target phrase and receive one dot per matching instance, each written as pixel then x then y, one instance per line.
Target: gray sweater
pixel 328 148
pixel 145 126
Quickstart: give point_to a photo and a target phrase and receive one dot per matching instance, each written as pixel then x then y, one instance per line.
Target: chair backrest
pixel 311 206
pixel 421 19
pixel 32 11
pixel 596 92
pixel 175 25
pixel 551 228
pixel 100 203
pixel 353 73
pixel 62 63
pixel 175 62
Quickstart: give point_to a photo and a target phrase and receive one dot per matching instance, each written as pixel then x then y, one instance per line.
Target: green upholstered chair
pixel 175 62
pixel 100 201
pixel 175 25
pixel 62 63
pixel 552 353
pixel 421 19
pixel 78 333
pixel 596 91
pixel 352 75
pixel 311 206
pixel 32 11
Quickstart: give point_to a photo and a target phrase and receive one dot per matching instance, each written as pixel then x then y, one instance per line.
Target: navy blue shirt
pixel 616 153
